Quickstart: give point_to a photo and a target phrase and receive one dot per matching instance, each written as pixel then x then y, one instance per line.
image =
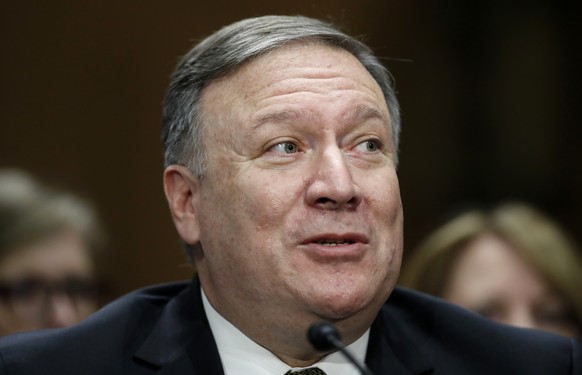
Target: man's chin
pixel 339 307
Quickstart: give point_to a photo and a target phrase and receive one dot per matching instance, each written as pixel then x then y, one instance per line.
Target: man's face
pixel 299 213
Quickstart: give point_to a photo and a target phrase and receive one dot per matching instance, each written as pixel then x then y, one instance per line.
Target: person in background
pixel 49 242
pixel 280 139
pixel 512 264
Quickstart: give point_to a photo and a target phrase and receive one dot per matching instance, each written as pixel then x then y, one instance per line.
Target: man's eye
pixel 285 148
pixel 369 145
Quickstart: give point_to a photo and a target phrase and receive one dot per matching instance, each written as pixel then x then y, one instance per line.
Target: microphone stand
pixel 325 336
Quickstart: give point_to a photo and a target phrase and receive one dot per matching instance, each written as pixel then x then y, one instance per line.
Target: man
pixel 280 138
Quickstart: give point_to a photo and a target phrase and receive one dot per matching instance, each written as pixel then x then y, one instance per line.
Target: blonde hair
pixel 540 242
pixel 31 211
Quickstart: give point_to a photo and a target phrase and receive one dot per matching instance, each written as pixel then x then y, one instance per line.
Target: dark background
pixel 489 92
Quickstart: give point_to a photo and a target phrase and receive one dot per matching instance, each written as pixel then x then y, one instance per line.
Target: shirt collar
pixel 241 356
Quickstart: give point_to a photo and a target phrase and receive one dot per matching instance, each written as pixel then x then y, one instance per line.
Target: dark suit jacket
pixel 164 330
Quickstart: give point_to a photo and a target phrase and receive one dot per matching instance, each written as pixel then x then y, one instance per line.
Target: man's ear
pixel 182 190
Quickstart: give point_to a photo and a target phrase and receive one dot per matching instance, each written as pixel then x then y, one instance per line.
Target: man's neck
pixel 230 339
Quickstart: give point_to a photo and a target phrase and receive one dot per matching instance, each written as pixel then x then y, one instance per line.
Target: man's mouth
pixel 329 247
pixel 334 242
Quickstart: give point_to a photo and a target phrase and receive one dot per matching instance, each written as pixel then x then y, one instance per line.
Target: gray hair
pixel 230 47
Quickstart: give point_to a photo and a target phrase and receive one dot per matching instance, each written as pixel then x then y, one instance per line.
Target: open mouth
pixel 334 242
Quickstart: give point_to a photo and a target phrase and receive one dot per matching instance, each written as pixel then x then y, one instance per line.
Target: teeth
pixel 334 242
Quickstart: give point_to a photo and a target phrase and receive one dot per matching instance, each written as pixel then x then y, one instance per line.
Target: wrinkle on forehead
pixel 289 61
pixel 273 87
pixel 362 113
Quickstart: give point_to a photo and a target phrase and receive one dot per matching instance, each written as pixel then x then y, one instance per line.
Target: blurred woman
pixel 48 245
pixel 511 264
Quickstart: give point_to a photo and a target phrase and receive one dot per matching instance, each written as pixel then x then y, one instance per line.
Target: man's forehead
pixel 291 63
pixel 289 54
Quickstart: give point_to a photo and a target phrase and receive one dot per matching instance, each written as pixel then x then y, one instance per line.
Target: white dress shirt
pixel 242 356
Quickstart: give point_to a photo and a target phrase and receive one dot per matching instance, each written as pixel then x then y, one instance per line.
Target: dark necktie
pixel 307 371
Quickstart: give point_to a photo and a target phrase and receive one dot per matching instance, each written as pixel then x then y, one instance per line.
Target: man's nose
pixel 332 184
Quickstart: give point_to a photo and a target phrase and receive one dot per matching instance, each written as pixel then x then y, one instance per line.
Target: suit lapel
pixel 181 341
pixel 392 351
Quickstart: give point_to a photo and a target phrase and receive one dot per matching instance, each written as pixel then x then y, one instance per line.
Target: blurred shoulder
pixel 449 334
pixel 112 332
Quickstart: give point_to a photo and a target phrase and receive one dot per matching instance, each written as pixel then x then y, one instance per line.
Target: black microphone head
pixel 323 335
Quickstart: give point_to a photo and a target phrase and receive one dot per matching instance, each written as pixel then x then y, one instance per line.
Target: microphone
pixel 324 336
